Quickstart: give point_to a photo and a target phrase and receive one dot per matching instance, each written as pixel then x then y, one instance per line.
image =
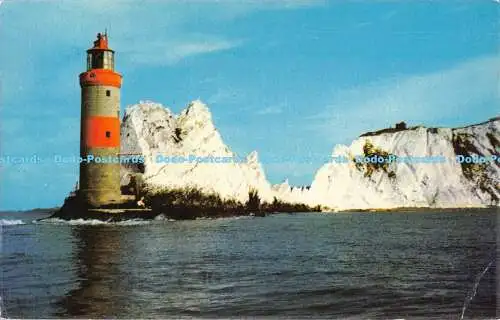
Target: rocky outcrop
pixel 186 150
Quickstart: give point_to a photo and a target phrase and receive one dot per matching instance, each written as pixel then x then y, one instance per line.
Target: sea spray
pixel 471 296
pixel 93 222
pixel 11 222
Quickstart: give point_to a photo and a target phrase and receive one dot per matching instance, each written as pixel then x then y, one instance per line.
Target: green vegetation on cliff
pixel 475 172
pixel 369 151
pixel 190 203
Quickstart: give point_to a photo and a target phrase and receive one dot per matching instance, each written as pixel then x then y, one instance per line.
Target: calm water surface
pixel 345 265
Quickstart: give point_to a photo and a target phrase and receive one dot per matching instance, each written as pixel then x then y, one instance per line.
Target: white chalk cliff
pixel 151 129
pixel 418 184
pixel 171 145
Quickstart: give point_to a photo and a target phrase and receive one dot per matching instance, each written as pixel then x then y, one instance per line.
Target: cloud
pixel 170 52
pixel 159 31
pixel 183 50
pixel 426 99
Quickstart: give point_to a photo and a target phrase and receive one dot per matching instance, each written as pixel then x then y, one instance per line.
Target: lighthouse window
pixel 96 60
pixel 89 61
pixel 108 60
pixel 108 134
pixel 108 93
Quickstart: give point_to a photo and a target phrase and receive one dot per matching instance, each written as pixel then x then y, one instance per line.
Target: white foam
pixel 224 218
pixel 133 222
pixel 11 222
pixel 94 222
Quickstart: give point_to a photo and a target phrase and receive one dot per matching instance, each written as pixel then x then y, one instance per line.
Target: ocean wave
pixel 94 222
pixel 162 217
pixel 133 222
pixel 236 218
pixel 11 222
pixel 225 218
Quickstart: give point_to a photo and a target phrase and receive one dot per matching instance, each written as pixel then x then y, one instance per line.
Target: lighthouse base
pixel 74 208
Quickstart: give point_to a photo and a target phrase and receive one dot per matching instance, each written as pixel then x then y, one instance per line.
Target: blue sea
pixel 385 265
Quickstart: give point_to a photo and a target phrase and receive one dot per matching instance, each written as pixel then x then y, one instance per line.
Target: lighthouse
pixel 100 127
pixel 98 195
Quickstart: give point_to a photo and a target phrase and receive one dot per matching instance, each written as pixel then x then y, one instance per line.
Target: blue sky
pixel 285 78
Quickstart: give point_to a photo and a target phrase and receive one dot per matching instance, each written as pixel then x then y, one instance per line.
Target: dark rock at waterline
pixel 73 208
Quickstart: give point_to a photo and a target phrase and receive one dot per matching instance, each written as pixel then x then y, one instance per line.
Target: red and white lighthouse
pixel 100 126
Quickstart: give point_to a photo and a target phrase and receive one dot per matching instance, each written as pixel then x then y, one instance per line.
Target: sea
pixel 356 265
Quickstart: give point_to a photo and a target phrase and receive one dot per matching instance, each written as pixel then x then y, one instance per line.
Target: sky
pixel 290 79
